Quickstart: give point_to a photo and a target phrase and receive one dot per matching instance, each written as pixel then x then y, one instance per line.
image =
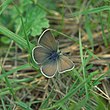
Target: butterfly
pixel 49 57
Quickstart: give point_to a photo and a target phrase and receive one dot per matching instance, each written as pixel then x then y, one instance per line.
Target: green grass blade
pixel 9 85
pixel 103 34
pixel 3 103
pixel 14 70
pixel 4 5
pixel 83 62
pixel 19 40
pixel 23 105
pixel 88 29
pixel 94 10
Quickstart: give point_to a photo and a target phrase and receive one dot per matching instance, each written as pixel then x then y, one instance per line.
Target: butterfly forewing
pixel 64 64
pixel 40 54
pixel 49 69
pixel 47 40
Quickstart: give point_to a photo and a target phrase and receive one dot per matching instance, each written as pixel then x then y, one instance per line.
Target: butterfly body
pixel 53 55
pixel 47 54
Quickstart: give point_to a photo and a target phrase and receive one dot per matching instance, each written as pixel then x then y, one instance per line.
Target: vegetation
pixel 82 28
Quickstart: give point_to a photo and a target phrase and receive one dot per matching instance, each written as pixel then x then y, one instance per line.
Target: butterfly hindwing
pixel 49 69
pixel 64 64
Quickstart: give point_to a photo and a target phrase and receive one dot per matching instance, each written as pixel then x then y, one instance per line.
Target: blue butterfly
pixel 48 55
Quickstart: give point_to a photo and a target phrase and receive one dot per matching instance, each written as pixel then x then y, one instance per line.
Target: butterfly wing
pixel 64 64
pixel 47 40
pixel 40 54
pixel 49 69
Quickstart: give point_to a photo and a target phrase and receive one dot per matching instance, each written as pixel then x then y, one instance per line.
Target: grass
pixel 82 30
